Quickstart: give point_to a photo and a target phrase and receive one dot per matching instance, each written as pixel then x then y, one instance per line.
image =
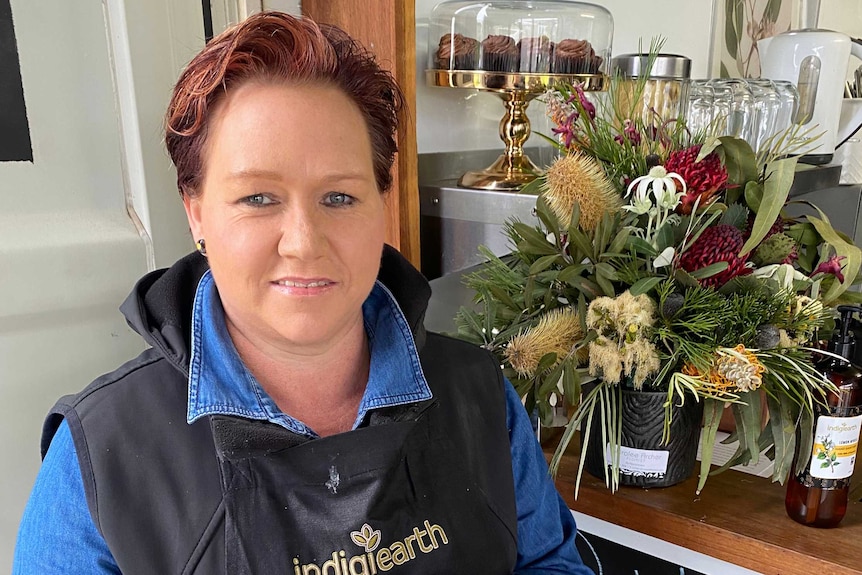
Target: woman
pixel 292 415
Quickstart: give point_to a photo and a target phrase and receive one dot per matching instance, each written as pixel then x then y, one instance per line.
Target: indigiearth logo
pixel 375 559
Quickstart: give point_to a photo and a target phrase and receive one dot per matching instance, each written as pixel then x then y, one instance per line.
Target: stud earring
pixel 201 246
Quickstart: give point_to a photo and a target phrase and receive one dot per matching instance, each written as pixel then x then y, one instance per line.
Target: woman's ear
pixel 192 205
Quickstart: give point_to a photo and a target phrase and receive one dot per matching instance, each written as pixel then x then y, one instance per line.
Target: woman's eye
pixel 257 200
pixel 338 199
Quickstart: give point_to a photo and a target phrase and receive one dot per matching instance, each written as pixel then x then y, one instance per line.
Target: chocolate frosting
pixel 571 48
pixel 460 46
pixel 498 43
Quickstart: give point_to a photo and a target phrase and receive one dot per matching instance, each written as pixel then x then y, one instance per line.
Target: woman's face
pixel 293 221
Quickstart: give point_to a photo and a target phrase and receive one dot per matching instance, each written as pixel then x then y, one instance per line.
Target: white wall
pixel 69 250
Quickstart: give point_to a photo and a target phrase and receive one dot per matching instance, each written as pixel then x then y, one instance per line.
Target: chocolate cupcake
pixel 499 54
pixel 535 54
pixel 575 57
pixel 457 52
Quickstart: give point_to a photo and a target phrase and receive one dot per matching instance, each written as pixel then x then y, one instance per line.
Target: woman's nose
pixel 302 235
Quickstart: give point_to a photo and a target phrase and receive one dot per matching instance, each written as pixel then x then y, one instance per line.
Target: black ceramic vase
pixel 645 461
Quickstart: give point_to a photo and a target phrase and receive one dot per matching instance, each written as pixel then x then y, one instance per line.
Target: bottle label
pixel 835 443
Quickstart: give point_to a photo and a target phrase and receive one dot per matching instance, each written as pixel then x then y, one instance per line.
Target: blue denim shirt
pixel 58 535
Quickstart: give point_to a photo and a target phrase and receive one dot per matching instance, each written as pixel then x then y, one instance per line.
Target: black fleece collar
pixel 160 305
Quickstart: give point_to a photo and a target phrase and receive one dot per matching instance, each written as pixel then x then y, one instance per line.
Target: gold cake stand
pixel 513 169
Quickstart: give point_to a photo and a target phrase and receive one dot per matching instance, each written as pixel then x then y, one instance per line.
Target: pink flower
pixel 585 104
pixel 831 266
pixel 630 133
pixel 567 129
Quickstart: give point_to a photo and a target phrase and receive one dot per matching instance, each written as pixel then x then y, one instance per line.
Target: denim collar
pixel 220 383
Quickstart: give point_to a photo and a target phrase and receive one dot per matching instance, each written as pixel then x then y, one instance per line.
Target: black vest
pixel 156 486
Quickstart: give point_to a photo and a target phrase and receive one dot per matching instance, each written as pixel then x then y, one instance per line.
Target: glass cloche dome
pixel 527 37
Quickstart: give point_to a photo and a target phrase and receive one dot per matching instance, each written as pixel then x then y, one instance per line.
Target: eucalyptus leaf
pixel 535 243
pixel 645 285
pixel 748 418
pixel 606 286
pixel 709 271
pixel 739 160
pixel 753 195
pixel 571 384
pixel 852 254
pixel 545 262
pixel 804 233
pixel 664 237
pixel 571 271
pixel 545 363
pixel 579 239
pixel 547 217
pixel 805 439
pixel 782 420
pixel 712 409
pixel 641 246
pixel 779 178
pixel 619 241
pixel 588 288
pixel 707 148
pixel 607 271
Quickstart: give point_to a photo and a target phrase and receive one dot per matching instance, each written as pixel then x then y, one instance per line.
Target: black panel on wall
pixel 606 557
pixel 14 129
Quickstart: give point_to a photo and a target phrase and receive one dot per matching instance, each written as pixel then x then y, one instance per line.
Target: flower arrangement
pixel 664 260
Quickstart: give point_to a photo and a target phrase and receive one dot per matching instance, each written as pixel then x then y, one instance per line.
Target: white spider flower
pixel 640 203
pixel 660 180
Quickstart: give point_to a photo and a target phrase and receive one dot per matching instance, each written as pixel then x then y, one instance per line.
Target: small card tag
pixel 648 462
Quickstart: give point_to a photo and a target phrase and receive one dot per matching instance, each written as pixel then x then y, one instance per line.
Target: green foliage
pixel 642 249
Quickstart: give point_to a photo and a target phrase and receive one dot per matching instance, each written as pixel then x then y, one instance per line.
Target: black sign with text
pixel 14 128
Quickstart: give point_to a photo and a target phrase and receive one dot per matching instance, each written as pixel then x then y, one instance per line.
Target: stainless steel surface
pixel 448 295
pixel 455 221
pixel 841 204
pixel 670 66
pixel 812 178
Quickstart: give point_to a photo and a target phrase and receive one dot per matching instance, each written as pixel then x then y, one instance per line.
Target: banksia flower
pixel 578 178
pixel 740 367
pixel 778 248
pixel 719 243
pixel 557 332
pixel 703 179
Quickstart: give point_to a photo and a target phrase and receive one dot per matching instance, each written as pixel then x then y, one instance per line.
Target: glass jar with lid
pixel 664 92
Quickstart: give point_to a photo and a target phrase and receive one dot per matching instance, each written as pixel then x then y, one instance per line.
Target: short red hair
pixel 273 46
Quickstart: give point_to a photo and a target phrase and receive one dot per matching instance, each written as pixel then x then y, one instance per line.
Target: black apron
pixel 392 497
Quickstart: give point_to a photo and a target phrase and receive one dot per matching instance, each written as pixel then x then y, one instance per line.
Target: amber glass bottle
pixel 818 496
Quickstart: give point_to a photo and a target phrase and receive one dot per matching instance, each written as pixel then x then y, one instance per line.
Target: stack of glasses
pixel 756 110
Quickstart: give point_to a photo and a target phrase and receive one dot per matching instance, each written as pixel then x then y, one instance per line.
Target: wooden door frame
pixel 388 28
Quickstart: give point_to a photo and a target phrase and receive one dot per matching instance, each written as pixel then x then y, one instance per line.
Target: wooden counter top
pixel 738 518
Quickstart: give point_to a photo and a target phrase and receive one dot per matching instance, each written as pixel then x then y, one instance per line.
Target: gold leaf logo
pixel 366 537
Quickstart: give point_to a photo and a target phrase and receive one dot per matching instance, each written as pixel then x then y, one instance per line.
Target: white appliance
pixel 816 62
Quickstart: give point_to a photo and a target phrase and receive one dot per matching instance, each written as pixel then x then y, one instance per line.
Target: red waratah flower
pixel 776 228
pixel 703 179
pixel 831 266
pixel 719 243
